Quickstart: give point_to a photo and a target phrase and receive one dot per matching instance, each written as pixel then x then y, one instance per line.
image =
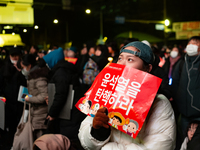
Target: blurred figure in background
pixel 113 50
pixel 42 53
pixel 171 61
pixel 10 80
pixel 186 85
pixel 34 50
pixel 37 87
pixel 128 40
pixel 192 138
pixel 82 59
pixel 71 52
pixel 63 74
pixel 3 55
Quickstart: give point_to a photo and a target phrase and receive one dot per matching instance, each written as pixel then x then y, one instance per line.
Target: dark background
pixel 77 26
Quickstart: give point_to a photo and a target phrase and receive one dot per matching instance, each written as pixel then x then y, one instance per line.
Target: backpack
pixel 91 70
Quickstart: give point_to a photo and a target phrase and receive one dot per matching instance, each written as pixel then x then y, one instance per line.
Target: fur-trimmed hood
pixel 38 72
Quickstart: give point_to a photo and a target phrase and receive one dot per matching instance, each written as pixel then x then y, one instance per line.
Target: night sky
pixel 83 27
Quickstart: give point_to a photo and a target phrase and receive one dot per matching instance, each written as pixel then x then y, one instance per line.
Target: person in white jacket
pixel 159 129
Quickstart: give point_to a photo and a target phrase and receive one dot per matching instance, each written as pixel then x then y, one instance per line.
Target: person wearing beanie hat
pixel 62 74
pixel 15 51
pixel 158 131
pixel 71 52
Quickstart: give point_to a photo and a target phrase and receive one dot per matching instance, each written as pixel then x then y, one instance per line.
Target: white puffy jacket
pixel 158 131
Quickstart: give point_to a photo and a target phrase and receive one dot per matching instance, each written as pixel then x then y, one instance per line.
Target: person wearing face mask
pixel 37 87
pixel 186 84
pixel 171 61
pixel 158 131
pixel 10 80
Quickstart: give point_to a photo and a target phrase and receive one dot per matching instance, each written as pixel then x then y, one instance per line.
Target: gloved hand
pixel 101 119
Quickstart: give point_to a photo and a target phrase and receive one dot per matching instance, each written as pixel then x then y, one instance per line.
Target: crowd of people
pixel 171 124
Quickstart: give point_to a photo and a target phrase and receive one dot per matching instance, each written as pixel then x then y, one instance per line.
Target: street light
pixel 55 21
pixel 25 30
pixel 88 11
pixel 36 27
pixel 167 22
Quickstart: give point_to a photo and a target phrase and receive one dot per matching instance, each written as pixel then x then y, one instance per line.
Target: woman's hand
pixel 50 118
pixel 27 98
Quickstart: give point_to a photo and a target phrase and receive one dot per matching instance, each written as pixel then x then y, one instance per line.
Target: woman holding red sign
pixel 158 130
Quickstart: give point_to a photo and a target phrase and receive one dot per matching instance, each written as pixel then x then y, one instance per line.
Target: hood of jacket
pixel 38 72
pixel 54 57
pixel 52 142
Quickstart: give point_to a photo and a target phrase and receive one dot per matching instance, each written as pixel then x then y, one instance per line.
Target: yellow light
pixel 3 31
pixel 1 42
pixel 8 27
pixel 110 59
pixel 167 22
pixel 13 33
pixel 36 27
pixel 24 30
pixel 88 11
pixel 55 21
pixel 105 39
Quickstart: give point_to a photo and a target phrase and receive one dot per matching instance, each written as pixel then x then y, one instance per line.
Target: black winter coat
pixel 194 144
pixel 159 72
pixel 186 86
pixel 62 75
pixel 10 81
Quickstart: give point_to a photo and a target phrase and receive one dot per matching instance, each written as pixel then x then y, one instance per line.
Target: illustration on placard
pixel 131 126
pixel 116 119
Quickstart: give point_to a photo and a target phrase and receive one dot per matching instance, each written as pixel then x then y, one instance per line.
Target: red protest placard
pixel 127 93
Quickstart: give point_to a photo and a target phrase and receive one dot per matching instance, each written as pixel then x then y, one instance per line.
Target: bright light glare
pixel 88 11
pixel 55 21
pixel 104 39
pixel 36 27
pixel 24 30
pixel 8 27
pixel 110 59
pixel 13 33
pixel 167 22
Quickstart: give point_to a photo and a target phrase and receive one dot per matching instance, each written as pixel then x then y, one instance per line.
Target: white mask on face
pixel 13 61
pixel 192 50
pixel 174 54
pixel 25 72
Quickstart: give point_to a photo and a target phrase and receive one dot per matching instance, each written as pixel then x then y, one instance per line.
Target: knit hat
pixel 54 57
pixel 74 49
pixel 145 52
pixel 15 51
